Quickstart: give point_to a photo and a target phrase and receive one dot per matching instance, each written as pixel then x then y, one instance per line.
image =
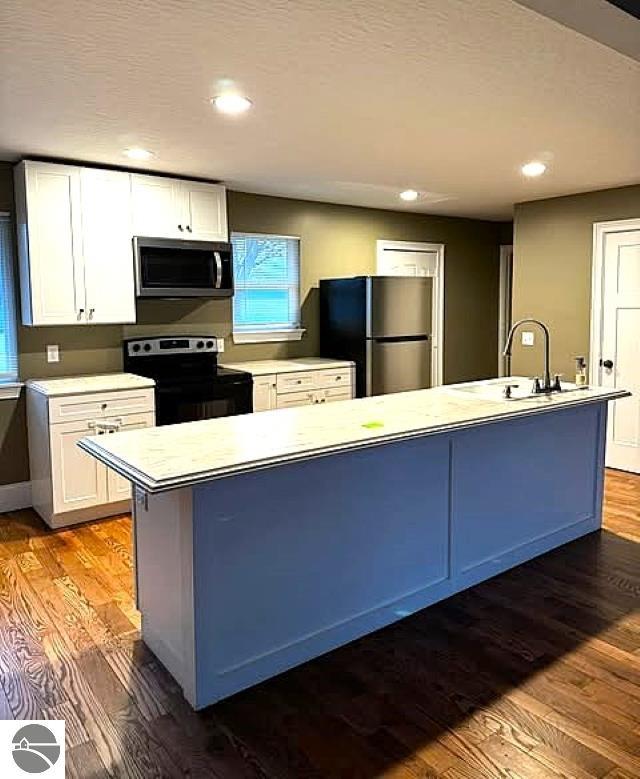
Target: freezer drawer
pixel 399 305
pixel 398 366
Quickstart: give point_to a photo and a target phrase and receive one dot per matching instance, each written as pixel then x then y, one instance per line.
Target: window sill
pixel 10 390
pixel 267 336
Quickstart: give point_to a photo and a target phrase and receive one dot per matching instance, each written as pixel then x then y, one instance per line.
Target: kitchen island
pixel 267 539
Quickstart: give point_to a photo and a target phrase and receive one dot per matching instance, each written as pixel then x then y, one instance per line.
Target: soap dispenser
pixel 581 372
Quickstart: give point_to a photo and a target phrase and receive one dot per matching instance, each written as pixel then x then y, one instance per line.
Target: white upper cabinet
pixel 49 227
pixel 75 231
pixel 107 246
pixel 157 207
pixel 206 211
pixel 171 208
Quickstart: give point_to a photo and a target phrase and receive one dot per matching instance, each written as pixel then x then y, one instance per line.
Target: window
pixel 8 350
pixel 266 303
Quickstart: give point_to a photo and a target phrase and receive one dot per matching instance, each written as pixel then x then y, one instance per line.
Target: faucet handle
pixel 506 392
pixel 557 387
pixel 536 389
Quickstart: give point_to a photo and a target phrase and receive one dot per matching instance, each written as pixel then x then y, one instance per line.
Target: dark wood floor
pixel 533 674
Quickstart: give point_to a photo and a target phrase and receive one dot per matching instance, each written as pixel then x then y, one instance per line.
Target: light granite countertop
pixel 164 458
pixel 266 367
pixel 80 385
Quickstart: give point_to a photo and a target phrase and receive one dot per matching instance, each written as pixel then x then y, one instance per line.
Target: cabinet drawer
pixel 340 377
pixel 291 399
pixel 334 394
pixel 293 382
pixel 97 405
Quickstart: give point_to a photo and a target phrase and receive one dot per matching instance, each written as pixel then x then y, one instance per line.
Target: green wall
pixel 335 240
pixel 552 270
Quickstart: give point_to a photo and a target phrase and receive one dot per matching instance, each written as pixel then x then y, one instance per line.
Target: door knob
pixel 608 364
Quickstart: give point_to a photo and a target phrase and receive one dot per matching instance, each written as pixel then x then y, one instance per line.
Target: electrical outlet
pixel 527 338
pixel 53 353
pixel 220 345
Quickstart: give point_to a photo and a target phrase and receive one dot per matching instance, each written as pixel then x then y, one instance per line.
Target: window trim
pixel 10 387
pixel 276 331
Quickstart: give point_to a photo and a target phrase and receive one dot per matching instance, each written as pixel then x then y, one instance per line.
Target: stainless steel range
pixel 190 385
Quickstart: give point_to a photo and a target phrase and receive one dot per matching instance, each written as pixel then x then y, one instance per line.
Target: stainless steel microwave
pixel 172 268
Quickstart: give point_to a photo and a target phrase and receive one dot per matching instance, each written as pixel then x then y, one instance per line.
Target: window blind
pixel 8 350
pixel 267 282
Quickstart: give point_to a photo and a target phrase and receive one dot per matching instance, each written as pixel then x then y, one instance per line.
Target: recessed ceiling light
pixel 231 103
pixel 138 154
pixel 533 169
pixel 409 194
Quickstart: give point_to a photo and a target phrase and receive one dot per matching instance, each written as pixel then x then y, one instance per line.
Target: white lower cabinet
pixel 79 480
pixel 264 393
pixel 68 485
pixel 287 389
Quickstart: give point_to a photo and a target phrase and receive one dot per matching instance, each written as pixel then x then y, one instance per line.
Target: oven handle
pixel 218 270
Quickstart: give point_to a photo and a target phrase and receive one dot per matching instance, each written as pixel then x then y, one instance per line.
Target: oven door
pixel 198 401
pixel 168 268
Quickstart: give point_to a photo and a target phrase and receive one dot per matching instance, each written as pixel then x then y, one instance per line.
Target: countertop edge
pixel 37 385
pixel 153 486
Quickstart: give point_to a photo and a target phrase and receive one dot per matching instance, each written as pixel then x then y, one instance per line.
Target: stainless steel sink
pixel 494 389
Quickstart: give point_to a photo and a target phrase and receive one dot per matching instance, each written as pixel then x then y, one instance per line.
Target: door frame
pixel 600 232
pixel 437 311
pixel 505 294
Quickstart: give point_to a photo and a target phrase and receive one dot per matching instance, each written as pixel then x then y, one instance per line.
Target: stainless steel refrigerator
pixel 383 323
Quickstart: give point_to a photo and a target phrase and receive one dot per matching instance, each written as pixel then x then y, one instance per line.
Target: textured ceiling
pixel 353 101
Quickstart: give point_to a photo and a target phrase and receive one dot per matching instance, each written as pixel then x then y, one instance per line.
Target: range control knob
pixel 200 344
pixel 147 347
pixel 135 348
pixel 209 344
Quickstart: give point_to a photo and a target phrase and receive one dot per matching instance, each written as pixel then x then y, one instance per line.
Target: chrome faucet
pixel 547 386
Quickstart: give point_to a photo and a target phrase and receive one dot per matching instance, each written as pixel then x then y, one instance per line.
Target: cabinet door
pixel 51 257
pixel 206 209
pixel 264 393
pixel 107 246
pixel 117 487
pixel 158 207
pixel 79 480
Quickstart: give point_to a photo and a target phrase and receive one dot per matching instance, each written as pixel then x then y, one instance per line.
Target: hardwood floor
pixel 533 674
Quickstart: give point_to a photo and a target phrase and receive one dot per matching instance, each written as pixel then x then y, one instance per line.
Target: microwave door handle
pixel 218 269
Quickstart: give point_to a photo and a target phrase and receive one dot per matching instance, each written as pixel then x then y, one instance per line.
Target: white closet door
pixel 407 263
pixel 621 346
pixel 107 246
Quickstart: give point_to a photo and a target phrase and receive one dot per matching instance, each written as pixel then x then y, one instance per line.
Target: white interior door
pixel 399 258
pixel 620 352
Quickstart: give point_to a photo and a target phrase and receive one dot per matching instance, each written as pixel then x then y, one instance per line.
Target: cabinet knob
pixel 91 312
pixel 181 228
pixel 80 313
pixel 189 228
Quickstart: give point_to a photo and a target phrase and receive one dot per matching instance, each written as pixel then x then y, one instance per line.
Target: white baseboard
pixel 15 496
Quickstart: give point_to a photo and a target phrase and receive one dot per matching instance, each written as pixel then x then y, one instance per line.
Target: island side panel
pixel 523 487
pixel 293 561
pixel 164 575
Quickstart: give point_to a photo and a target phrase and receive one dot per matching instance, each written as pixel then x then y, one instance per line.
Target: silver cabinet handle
pixel 91 312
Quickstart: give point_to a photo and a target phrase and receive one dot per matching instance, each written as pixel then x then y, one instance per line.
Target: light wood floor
pixel 533 674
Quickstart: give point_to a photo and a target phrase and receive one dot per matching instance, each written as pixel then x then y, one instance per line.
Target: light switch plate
pixel 527 338
pixel 220 345
pixel 53 353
